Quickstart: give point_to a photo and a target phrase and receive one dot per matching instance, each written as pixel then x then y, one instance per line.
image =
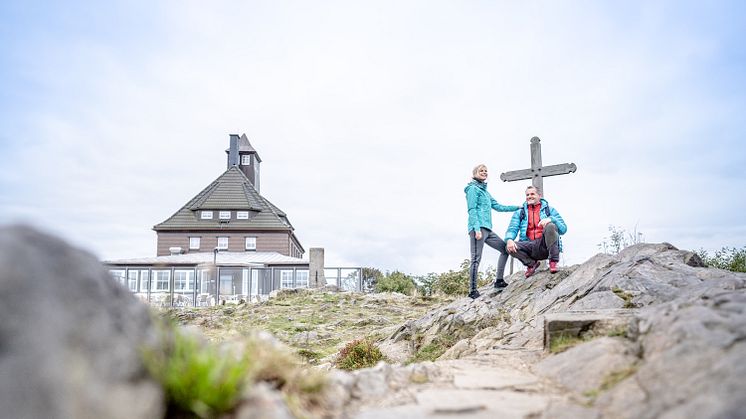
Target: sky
pixel 369 117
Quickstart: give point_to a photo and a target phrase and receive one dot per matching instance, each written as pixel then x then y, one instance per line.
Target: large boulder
pixel 70 336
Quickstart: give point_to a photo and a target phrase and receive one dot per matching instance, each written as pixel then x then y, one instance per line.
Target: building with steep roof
pixel 230 214
pixel 227 244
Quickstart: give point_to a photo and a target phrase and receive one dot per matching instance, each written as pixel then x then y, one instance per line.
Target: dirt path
pixel 495 384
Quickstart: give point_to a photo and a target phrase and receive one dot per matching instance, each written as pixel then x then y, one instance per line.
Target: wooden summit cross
pixel 537 172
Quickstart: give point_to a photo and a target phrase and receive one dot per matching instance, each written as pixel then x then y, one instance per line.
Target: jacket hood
pixel 475 183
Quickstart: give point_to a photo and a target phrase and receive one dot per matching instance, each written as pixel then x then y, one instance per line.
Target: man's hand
pixel 478 234
pixel 543 223
pixel 510 245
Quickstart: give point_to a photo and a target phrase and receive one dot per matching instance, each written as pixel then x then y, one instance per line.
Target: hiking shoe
pixel 474 294
pixel 500 284
pixel 530 270
pixel 553 266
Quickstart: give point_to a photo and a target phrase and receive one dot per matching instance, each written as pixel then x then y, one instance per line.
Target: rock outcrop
pixel 70 337
pixel 676 343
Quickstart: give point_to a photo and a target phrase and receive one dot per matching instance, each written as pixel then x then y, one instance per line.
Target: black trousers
pixel 492 240
pixel 545 247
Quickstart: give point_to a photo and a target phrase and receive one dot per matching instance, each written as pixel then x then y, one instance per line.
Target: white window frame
pixel 161 280
pixel 132 276
pixel 286 278
pixel 301 279
pixel 244 158
pixel 242 215
pixel 250 243
pixel 225 246
pixel 193 241
pixel 205 215
pixel 183 280
pixel 225 215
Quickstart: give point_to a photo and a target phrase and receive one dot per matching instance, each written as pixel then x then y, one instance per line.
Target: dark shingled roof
pixel 230 191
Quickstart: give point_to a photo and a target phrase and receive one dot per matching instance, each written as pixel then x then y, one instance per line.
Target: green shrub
pixel 396 282
pixel 728 258
pixel 361 353
pixel 457 282
pixel 196 377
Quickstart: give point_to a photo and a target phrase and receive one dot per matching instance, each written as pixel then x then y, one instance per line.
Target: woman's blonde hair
pixel 476 169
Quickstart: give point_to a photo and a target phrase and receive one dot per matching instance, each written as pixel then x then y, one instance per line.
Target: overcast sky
pixel 369 117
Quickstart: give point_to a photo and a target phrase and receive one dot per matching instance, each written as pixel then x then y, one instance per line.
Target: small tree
pixel 371 276
pixel 396 282
pixel 426 283
pixel 728 258
pixel 619 239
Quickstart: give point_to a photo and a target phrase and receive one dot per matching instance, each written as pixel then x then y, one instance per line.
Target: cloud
pixel 369 118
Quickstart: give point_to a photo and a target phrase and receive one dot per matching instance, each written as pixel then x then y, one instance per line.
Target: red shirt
pixel 533 229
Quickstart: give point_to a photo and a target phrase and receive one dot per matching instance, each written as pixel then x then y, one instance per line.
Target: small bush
pixel 728 258
pixel 197 378
pixel 457 282
pixel 396 282
pixel 361 353
pixel 433 350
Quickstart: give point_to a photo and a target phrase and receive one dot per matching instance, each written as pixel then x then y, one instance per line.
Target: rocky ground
pixel 314 323
pixel 647 333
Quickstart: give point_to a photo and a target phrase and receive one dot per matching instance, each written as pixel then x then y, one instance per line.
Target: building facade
pixel 226 244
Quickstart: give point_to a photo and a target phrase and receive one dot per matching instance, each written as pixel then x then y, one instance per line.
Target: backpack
pixel 523 212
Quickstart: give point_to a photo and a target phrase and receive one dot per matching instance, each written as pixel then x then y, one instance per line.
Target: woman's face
pixel 481 174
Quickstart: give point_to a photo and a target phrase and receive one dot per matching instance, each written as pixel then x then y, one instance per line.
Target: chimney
pixel 233 151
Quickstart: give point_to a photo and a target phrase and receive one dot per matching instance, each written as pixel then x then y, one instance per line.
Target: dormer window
pixel 205 215
pixel 242 215
pixel 225 215
pixel 245 159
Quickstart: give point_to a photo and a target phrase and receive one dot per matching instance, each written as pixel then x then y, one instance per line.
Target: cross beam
pixel 537 172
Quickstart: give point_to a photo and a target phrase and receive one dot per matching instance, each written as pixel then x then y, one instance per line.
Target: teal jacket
pixel 479 203
pixel 519 224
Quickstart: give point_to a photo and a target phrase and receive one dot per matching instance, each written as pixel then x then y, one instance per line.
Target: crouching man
pixel 540 227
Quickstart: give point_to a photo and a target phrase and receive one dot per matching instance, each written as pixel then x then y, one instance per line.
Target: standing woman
pixel 480 204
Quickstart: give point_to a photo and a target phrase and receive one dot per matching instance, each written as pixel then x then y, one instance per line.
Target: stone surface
pixel 263 402
pixel 70 337
pixel 583 368
pixel 676 344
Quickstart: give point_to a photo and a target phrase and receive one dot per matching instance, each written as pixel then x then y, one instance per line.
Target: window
pixel 183 280
pixel 246 159
pixel 161 280
pixel 118 275
pixel 223 243
pixel 132 280
pixel 225 215
pixel 194 243
pixel 206 215
pixel 286 279
pixel 242 215
pixel 144 276
pixel 251 243
pixel 301 279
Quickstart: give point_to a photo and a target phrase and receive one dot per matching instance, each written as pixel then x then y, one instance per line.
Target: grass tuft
pixel 198 378
pixel 564 342
pixel 360 353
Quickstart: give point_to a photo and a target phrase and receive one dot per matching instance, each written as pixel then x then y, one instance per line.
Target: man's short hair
pixel 538 191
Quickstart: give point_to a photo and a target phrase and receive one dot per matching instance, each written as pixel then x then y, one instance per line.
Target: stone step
pixel 586 323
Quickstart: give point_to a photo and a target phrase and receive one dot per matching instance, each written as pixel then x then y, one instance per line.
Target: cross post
pixel 537 172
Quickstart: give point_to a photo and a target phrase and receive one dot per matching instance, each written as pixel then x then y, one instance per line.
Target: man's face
pixel 532 197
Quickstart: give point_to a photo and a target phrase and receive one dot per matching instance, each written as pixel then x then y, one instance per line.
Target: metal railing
pixel 205 286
